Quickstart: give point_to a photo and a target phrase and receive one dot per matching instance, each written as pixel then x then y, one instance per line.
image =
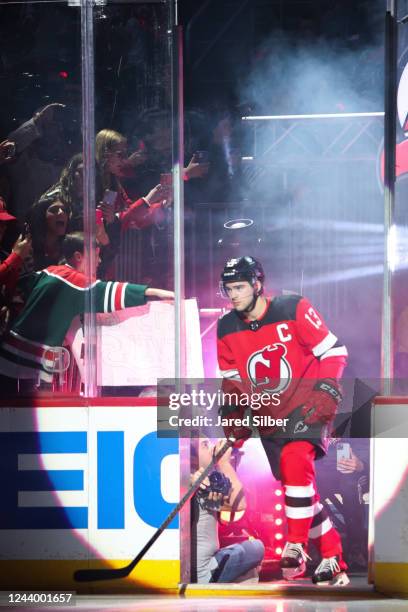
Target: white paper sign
pixel 136 345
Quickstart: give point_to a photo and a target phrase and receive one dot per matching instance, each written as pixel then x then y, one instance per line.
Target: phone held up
pixel 11 150
pixel 109 197
pixel 343 452
pixel 26 230
pixel 201 157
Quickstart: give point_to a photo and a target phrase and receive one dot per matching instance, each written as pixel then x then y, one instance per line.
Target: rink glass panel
pixel 131 74
pixel 133 96
pixel 122 52
pixel 398 250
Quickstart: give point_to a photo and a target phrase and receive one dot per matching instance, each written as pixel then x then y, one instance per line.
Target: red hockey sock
pixel 306 517
pixel 298 479
pixel 324 535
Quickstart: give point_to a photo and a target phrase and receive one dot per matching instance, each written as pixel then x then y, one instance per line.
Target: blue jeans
pixel 237 559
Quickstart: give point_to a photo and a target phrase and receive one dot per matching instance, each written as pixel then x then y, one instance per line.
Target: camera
pixel 218 484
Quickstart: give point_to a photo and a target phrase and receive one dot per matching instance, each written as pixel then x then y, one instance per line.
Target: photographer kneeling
pixel 221 491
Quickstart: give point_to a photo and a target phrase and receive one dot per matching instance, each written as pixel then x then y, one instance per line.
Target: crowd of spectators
pixel 42 198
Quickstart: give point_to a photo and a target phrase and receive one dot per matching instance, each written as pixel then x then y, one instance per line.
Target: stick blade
pixel 94 575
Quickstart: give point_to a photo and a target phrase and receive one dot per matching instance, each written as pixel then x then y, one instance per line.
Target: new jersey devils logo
pixel 268 369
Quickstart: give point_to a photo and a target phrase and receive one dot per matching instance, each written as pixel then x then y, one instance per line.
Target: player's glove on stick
pixel 234 429
pixel 321 405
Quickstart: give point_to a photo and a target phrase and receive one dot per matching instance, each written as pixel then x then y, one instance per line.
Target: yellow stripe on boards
pixel 148 576
pixel 391 578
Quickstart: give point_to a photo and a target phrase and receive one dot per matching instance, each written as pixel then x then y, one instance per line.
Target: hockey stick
pixel 90 575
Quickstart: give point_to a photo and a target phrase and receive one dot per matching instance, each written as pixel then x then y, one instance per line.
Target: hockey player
pixel 282 345
pixel 34 343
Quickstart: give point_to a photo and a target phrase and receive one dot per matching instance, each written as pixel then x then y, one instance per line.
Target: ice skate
pixel 331 571
pixel 293 561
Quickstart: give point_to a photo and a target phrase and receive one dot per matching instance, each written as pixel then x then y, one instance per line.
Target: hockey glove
pixel 232 426
pixel 321 405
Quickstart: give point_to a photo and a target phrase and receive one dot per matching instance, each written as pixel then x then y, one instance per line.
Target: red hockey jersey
pixel 285 351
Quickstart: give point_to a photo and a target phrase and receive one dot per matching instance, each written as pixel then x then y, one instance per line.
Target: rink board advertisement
pixel 86 486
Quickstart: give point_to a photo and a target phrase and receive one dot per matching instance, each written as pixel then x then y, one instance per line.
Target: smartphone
pixel 26 230
pixel 109 197
pixel 343 451
pixel 166 179
pixel 11 150
pixel 201 157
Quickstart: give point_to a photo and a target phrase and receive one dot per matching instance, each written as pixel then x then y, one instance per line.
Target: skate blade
pixel 291 573
pixel 340 580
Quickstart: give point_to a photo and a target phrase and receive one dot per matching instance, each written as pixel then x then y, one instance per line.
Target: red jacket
pixel 10 271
